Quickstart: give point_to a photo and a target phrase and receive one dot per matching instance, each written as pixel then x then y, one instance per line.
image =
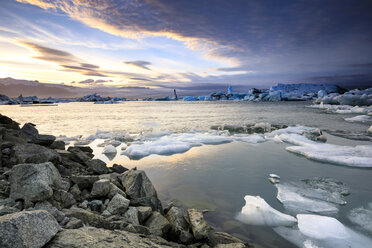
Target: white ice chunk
pixel 369 130
pixel 274 176
pixel 91 137
pixel 362 217
pixel 82 142
pixel 257 212
pixel 323 231
pixel 359 118
pixel 103 134
pixel 109 149
pixel 250 138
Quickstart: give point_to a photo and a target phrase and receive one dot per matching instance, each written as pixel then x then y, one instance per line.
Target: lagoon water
pixel 214 177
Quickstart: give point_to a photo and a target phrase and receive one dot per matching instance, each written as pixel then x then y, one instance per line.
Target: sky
pixel 193 46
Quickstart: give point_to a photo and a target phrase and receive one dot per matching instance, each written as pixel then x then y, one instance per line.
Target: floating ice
pixel 257 212
pixel 355 156
pixel 369 130
pixel 103 134
pixel 359 118
pixel 91 137
pixel 274 178
pixel 109 149
pixel 316 195
pixel 362 217
pixel 323 231
pixel 82 142
pixel 342 109
pixel 250 138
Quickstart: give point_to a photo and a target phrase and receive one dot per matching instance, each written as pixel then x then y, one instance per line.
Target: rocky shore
pixel 53 197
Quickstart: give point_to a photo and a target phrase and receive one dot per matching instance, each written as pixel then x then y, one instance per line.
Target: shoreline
pixel 64 198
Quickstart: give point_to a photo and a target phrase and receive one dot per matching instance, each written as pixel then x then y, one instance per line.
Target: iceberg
pixel 250 138
pixel 359 118
pixel 257 212
pixel 362 217
pixel 322 231
pixel 316 195
pixel 109 149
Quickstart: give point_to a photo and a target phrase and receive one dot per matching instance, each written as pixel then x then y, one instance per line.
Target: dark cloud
pixel 141 79
pixel 139 63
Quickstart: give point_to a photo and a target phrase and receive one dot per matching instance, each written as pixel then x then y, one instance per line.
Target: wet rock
pixel 32 153
pixel 97 166
pixel 84 181
pixel 139 189
pixel 180 229
pixel 218 239
pixel 100 188
pixel 117 205
pixel 119 168
pixel 74 223
pixel 27 229
pixel 143 213
pixel 157 224
pixel 34 182
pixel 88 237
pixel 199 226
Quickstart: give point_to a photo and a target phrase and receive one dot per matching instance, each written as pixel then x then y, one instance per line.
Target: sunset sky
pixel 186 44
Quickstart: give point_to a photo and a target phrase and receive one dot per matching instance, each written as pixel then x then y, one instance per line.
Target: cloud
pixel 139 63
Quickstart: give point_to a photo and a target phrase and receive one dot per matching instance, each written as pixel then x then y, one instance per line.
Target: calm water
pixel 215 177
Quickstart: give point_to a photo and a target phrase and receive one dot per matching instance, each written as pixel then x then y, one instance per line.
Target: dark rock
pixel 97 166
pixel 45 140
pixel 29 132
pixel 47 206
pixel 90 218
pixel 100 188
pixel 32 153
pixel 86 149
pixel 157 224
pixel 58 145
pixel 8 123
pixel 84 182
pixel 119 168
pixel 222 238
pixel 95 205
pixel 27 229
pixel 131 216
pixel 180 230
pixel 143 213
pixel 117 205
pixel 34 182
pixel 78 155
pixel 140 190
pixel 64 198
pixel 74 223
pixel 75 191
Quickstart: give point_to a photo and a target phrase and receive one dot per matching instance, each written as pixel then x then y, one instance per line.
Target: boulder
pixel 32 153
pixel 45 140
pixel 47 206
pixel 131 216
pixel 101 188
pixel 97 166
pixel 95 205
pixel 84 181
pixel 140 190
pixel 143 213
pixel 199 226
pixel 115 190
pixel 7 210
pixel 8 123
pixel 34 182
pixel 180 229
pixel 28 229
pixel 89 218
pixel 64 198
pixel 118 205
pixel 118 168
pixel 157 224
pixel 29 132
pixel 74 223
pixel 58 145
pixel 218 239
pixel 88 237
pixel 78 155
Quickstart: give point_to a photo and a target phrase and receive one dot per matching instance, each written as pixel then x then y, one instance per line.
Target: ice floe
pixel 273 178
pixel 316 195
pixel 109 149
pixel 250 138
pixel 322 231
pixel 359 118
pixel 257 212
pixel 362 217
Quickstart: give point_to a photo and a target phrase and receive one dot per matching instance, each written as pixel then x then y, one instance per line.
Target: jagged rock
pixel 64 198
pixel 45 140
pixel 139 189
pixel 8 123
pixel 29 132
pixel 75 191
pixel 97 166
pixel 143 213
pixel 115 190
pixel 218 239
pixel 34 182
pixel 84 182
pixel 86 149
pixel 199 226
pixel 100 188
pixel 180 229
pixel 131 216
pixel 89 218
pixel 27 229
pixel 137 229
pixel 118 168
pixel 58 145
pixel 47 206
pixel 74 223
pixel 78 155
pixel 65 184
pixel 157 224
pixel 7 210
pixel 32 153
pixel 88 237
pixel 118 205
